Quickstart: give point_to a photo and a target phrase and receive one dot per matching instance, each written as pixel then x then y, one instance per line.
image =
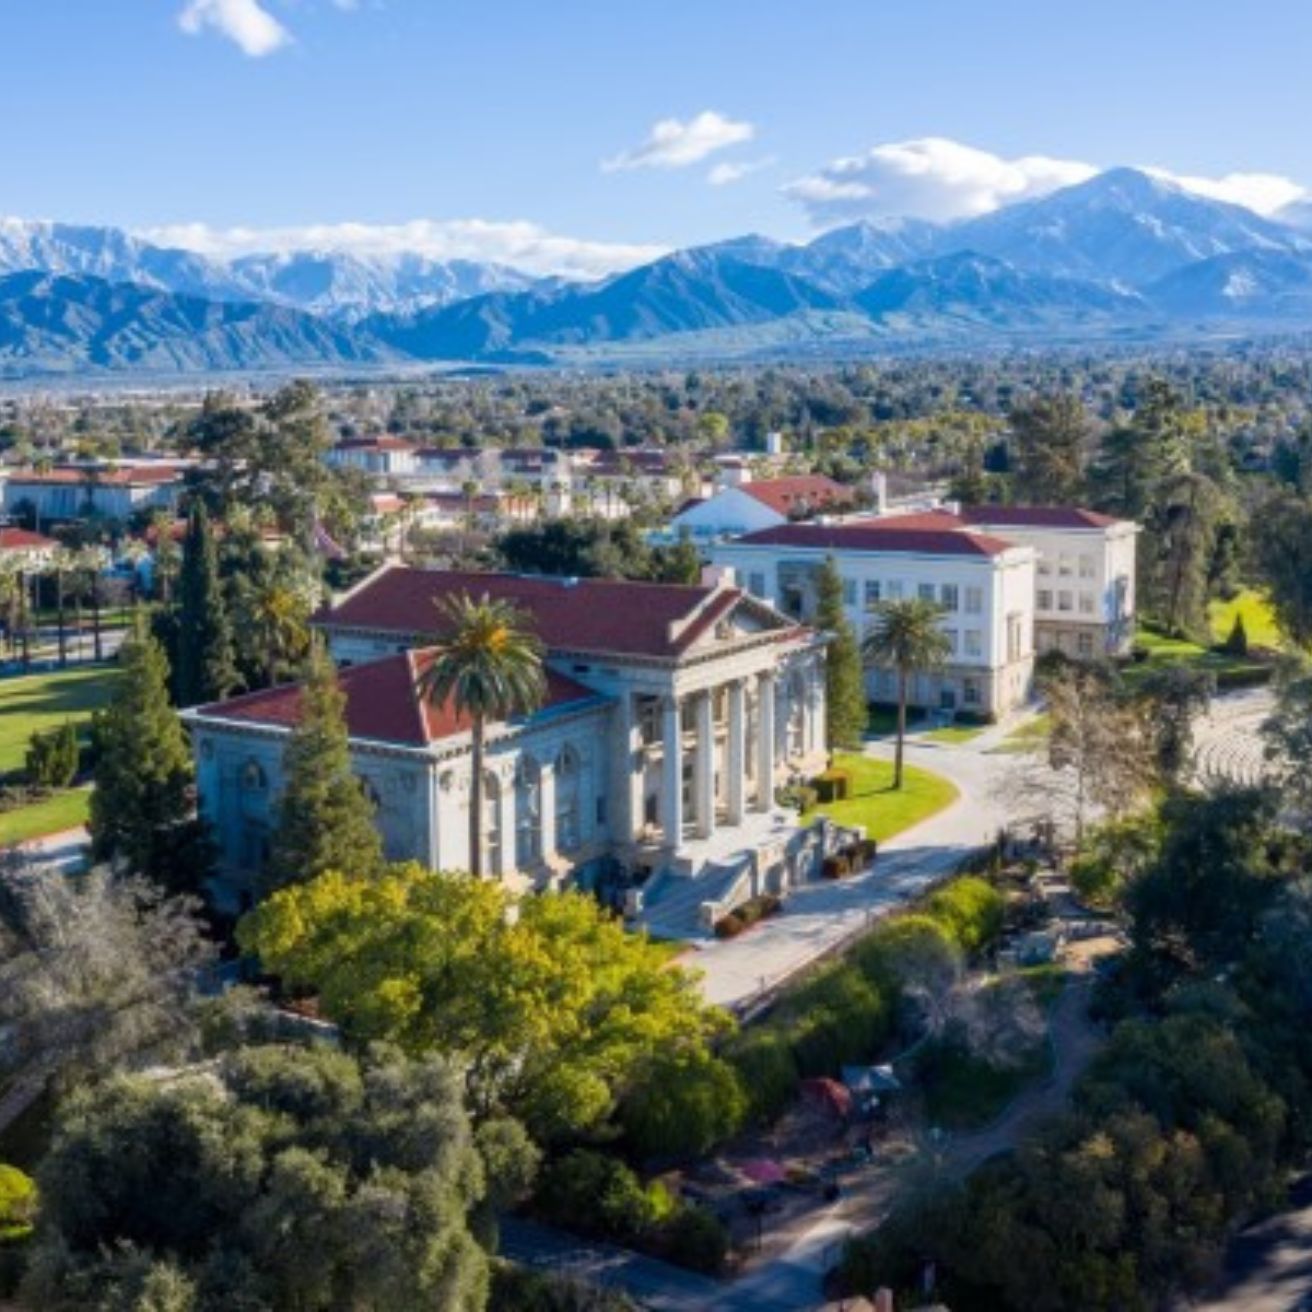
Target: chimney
pixel 774 444
pixel 879 486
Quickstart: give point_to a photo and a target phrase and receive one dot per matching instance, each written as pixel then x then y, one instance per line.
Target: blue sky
pixel 494 122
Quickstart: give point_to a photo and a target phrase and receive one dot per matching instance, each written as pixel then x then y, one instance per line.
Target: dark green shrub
pixel 590 1192
pixel 696 1239
pixel 767 1070
pixel 729 926
pixel 971 908
pixel 52 758
pixel 836 867
pixel 682 1104
pixel 902 945
pixel 834 785
pixel 1236 644
pixel 517 1289
pixel 836 1017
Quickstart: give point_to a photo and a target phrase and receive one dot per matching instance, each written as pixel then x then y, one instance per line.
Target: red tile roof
pixel 115 476
pixel 375 444
pixel 590 615
pixel 871 535
pixel 19 539
pixel 382 702
pixel 1036 517
pixel 931 519
pixel 799 492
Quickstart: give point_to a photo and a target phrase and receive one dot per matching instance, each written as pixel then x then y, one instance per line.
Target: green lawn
pixel 51 815
pixel 1164 651
pixel 42 701
pixel 954 733
pixel 1259 619
pixel 1028 736
pixel 875 805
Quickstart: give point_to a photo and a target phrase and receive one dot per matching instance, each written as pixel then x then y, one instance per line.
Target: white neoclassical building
pixel 672 715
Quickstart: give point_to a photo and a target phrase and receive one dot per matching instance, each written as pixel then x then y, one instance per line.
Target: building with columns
pixel 673 713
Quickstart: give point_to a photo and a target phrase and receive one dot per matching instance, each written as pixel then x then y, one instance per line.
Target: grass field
pixel 42 701
pixel 51 815
pixel 1163 651
pixel 875 805
pixel 1259 619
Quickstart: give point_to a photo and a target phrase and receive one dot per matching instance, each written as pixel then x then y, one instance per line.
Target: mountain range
pixel 1124 254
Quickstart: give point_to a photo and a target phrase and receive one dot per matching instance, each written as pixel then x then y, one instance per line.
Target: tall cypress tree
pixel 845 692
pixel 325 821
pixel 142 810
pixel 207 670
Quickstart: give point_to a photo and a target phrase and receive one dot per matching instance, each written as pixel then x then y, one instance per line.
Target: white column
pixel 632 768
pixel 672 774
pixel 509 838
pixel 735 753
pixel 704 766
pixel 765 741
pixel 547 810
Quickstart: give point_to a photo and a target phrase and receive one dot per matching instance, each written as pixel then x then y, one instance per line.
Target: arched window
pixel 528 813
pixel 253 778
pixel 568 832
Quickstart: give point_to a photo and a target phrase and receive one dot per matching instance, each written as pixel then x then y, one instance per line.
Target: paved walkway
pixel 819 917
pixel 67 851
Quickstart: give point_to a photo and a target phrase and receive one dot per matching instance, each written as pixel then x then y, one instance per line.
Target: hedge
pixel 971 909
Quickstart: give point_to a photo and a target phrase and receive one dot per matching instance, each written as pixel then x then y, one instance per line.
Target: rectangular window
pixel 1085 645
pixel 849 592
pixel 1044 567
pixel 951 636
pixel 1065 602
pixel 1086 567
pixel 974 601
pixel 947 596
pixel 756 584
pixel 970 692
pixel 1045 599
pixel 974 645
pixel 1064 566
pixel 895 590
pixel 1086 603
pixel 872 593
pixel 925 591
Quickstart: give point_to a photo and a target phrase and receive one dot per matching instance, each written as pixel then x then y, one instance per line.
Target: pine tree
pixel 845 695
pixel 142 811
pixel 325 821
pixel 207 670
pixel 1237 643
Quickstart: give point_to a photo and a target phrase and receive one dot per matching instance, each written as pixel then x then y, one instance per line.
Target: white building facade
pixel 983 585
pixel 672 716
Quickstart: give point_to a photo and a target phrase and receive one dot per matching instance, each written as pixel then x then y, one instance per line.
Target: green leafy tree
pixel 845 693
pixel 488 665
pixel 1175 696
pixel 206 665
pixel 325 819
pixel 552 1006
pixel 1282 551
pixel 1050 436
pixel 277 1178
pixel 142 808
pixel 907 638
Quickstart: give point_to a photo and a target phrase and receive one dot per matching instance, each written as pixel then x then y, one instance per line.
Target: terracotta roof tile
pixel 19 539
pixel 872 536
pixel 382 702
pixel 798 492
pixel 613 616
pixel 1036 517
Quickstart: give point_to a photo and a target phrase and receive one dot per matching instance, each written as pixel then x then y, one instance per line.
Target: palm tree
pixel 280 615
pixel 907 637
pixel 489 665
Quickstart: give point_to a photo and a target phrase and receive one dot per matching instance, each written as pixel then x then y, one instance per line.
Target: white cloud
pixel 1265 193
pixel 722 174
pixel 244 22
pixel 523 245
pixel 672 144
pixel 936 178
pixel 930 178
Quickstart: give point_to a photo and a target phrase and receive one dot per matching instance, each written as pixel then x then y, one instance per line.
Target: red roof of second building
pixel 872 535
pixel 382 702
pixel 591 615
pixel 20 539
pixel 1036 517
pixel 798 492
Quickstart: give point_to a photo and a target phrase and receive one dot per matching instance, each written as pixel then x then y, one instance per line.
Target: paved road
pixel 820 916
pixel 1268 1268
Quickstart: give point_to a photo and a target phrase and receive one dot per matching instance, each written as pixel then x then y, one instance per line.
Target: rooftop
pixel 382 702
pixel 879 536
pixel 1036 517
pixel 19 539
pixel 614 616
pixel 798 492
